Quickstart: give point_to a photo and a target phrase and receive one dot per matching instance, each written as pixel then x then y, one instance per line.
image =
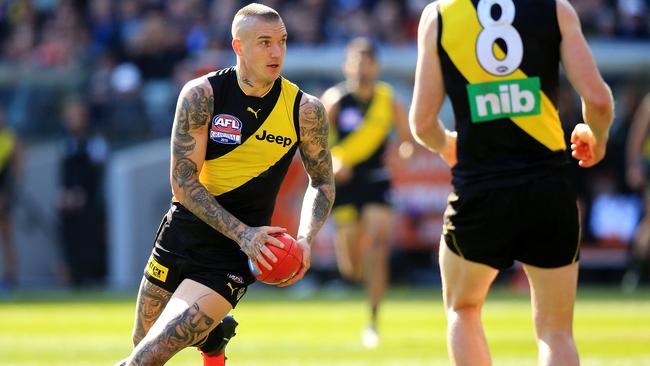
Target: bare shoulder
pixel 200 85
pixel 566 14
pixel 312 111
pixel 196 102
pixel 430 14
pixel 428 28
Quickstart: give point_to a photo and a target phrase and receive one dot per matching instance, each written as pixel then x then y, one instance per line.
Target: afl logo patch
pixel 226 129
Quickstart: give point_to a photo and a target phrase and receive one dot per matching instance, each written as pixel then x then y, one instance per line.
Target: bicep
pixel 189 133
pixel 428 91
pixel 577 60
pixel 314 149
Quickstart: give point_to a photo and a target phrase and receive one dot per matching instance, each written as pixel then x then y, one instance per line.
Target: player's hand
pixel 448 152
pixel 253 242
pixel 585 147
pixel 306 263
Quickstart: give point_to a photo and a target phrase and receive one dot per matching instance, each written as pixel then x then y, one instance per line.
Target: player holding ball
pixel 234 135
pixel 288 262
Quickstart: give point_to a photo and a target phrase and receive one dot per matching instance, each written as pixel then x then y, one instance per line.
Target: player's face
pixel 263 48
pixel 360 66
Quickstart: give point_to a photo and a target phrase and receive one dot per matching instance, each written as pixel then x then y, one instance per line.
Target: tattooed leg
pixel 192 312
pixel 151 302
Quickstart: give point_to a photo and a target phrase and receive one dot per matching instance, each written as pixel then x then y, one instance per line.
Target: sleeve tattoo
pixel 317 160
pixel 193 113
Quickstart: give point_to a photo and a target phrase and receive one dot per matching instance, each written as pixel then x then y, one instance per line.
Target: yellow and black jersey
pixel 360 131
pixel 500 61
pixel 250 145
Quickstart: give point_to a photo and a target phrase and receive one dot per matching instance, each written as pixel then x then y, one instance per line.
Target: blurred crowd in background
pixel 104 74
pixel 129 58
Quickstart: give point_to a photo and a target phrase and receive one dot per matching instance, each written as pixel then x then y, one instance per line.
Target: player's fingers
pixel 274 229
pixel 300 274
pixel 581 148
pixel 262 261
pixel 267 253
pixel 587 162
pixel 575 134
pixel 274 241
pixel 580 145
pixel 580 153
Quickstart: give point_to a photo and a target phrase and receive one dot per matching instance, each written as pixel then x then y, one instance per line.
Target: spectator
pixel 80 198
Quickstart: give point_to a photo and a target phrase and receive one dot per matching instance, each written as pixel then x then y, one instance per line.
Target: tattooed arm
pixel 189 142
pixel 316 159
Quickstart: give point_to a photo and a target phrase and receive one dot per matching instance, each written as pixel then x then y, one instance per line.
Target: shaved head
pixel 249 13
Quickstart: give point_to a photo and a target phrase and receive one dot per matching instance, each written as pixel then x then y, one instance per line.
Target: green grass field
pixel 94 329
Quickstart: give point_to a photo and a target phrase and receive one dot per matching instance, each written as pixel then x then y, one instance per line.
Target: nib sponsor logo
pixel 504 99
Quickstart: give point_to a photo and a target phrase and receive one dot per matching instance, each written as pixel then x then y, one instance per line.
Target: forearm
pixel 317 160
pixel 195 197
pixel 316 207
pixel 598 114
pixel 431 135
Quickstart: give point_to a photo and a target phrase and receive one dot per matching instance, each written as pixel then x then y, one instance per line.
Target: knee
pixel 464 309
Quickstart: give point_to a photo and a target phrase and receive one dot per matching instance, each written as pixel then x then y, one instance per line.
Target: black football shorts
pixel 536 223
pixel 186 247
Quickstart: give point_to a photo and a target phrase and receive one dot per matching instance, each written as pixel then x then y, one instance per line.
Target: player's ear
pixel 236 46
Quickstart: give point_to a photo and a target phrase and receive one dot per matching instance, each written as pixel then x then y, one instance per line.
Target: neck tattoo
pixel 248 82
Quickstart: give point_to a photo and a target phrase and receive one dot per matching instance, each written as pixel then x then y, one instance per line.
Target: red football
pixel 288 264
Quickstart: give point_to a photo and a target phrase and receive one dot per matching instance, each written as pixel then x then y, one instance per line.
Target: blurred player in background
pixel 10 157
pixel 513 198
pixel 362 112
pixel 235 132
pixel 638 170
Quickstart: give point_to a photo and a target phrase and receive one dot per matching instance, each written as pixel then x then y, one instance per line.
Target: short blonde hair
pixel 254 10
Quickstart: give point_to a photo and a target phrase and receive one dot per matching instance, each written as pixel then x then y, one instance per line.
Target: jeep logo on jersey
pixel 503 99
pixel 226 129
pixel 280 140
